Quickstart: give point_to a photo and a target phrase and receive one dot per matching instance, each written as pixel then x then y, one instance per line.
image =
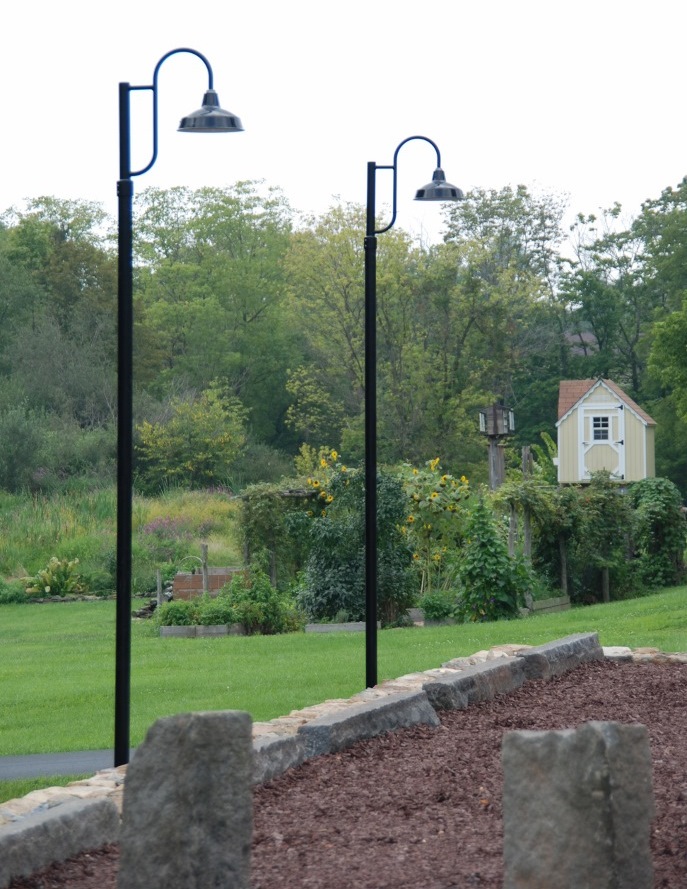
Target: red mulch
pixel 421 808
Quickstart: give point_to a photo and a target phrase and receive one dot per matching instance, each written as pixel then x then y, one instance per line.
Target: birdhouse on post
pixel 496 422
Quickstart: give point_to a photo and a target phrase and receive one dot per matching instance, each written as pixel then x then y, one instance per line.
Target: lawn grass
pixel 17 787
pixel 57 664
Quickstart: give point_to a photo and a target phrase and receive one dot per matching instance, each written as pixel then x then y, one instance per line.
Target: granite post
pixel 187 813
pixel 577 808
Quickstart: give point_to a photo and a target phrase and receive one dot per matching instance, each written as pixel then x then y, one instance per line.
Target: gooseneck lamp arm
pixel 437 190
pixel 210 118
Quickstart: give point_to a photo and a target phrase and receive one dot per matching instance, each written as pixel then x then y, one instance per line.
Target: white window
pixel 600 427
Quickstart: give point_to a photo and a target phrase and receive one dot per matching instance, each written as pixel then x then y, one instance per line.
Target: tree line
pixel 249 339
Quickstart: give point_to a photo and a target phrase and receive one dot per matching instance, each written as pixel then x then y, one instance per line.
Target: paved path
pixel 36 765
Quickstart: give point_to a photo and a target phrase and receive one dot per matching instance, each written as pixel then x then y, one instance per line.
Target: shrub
pixel 213 612
pixel 13 593
pixel 658 531
pixel 178 613
pixel 440 604
pixel 59 578
pixel 334 576
pixel 494 584
pixel 260 607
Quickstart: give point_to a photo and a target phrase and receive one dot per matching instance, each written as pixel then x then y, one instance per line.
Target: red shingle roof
pixel 571 391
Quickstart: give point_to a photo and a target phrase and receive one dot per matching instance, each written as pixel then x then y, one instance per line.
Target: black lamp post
pixel 210 118
pixel 437 190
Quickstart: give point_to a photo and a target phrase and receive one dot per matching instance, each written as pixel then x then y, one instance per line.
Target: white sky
pixel 582 99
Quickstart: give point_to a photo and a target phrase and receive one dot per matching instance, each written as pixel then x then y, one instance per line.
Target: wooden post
pixel 526 515
pixel 159 587
pixel 563 552
pixel 605 584
pixel 512 529
pixel 204 566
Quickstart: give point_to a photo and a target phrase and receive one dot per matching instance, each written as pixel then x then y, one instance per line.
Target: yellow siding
pixel 600 394
pixel 601 456
pixel 634 447
pixel 567 449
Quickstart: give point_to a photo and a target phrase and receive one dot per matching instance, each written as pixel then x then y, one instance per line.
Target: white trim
pixel 617 399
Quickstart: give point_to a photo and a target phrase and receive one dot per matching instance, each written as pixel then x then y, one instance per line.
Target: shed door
pixel 602 440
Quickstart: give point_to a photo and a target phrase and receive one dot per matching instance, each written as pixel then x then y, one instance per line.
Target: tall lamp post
pixel 437 190
pixel 210 118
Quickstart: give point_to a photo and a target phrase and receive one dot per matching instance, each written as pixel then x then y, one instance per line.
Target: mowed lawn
pixel 57 664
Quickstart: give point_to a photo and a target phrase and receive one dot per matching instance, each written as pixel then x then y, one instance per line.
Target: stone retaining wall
pixel 287 741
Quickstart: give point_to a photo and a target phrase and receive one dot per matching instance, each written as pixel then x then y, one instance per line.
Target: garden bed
pixel 421 808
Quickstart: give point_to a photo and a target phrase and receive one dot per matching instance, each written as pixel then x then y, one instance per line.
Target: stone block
pixel 577 807
pixel 55 834
pixel 476 682
pixel 187 815
pixel 339 730
pixel 555 658
pixel 274 753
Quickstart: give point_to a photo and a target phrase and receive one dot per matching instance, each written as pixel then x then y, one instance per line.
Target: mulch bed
pixel 421 808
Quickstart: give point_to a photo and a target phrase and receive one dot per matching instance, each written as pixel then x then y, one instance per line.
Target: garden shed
pixel 602 428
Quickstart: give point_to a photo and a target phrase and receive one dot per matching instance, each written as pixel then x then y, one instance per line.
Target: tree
pixel 195 446
pixel 212 296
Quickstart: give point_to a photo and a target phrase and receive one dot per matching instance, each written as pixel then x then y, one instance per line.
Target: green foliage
pixel 196 446
pixel 13 593
pixel 435 523
pixel 440 604
pixel 177 613
pixel 260 607
pixel 249 599
pixel 334 577
pixel 659 531
pixel 273 526
pixel 493 584
pixel 60 578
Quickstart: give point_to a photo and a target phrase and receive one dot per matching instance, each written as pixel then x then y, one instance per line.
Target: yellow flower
pixel 434 495
pixel 343 469
pixel 415 471
pixel 329 498
pixel 434 463
pixel 416 556
pixel 315 483
pixel 410 519
pixel 463 479
pixel 323 463
pixel 334 455
pixel 323 494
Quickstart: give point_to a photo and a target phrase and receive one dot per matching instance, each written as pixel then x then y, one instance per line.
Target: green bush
pixel 178 613
pixel 334 575
pixel 494 584
pixel 260 607
pixel 13 593
pixel 658 531
pixel 440 604
pixel 59 578
pixel 214 612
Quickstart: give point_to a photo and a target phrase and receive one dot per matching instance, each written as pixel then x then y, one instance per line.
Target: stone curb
pixel 56 834
pixel 474 683
pixel 555 658
pixel 64 829
pixel 275 754
pixel 336 731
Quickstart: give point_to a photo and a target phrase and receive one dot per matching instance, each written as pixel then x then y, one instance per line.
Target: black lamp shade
pixel 439 189
pixel 210 118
